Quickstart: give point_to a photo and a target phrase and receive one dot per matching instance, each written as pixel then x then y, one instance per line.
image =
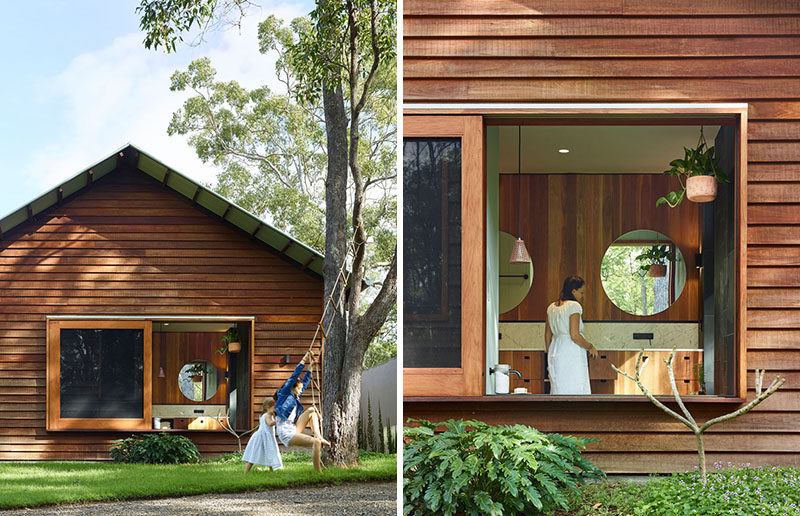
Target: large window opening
pixel 149 374
pixel 585 199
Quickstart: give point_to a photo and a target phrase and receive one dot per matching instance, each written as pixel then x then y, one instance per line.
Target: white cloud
pixel 120 94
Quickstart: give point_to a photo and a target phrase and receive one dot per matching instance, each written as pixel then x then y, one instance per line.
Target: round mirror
pixel 643 272
pixel 199 380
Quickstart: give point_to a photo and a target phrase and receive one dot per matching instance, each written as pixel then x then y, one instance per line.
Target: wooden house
pixel 546 120
pixel 116 289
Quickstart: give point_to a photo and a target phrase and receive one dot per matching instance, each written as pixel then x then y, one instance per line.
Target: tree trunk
pixel 338 395
pixel 701 454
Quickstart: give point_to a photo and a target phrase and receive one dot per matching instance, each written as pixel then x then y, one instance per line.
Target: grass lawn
pixel 28 484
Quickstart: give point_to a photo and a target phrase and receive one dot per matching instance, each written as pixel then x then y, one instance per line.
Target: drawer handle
pixel 201 411
pixel 687 358
pixel 527 357
pixel 602 356
pixel 527 381
pixel 686 381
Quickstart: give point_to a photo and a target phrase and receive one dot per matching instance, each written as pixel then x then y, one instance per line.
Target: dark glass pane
pixel 432 252
pixel 102 373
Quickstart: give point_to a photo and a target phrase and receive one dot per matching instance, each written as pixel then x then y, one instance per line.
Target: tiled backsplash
pixel 607 335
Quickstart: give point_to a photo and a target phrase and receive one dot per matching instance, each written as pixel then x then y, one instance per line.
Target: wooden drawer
pixel 602 386
pixel 684 364
pixel 600 368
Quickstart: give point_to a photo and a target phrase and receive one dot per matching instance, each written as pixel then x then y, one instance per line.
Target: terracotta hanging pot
pixel 657 271
pixel 701 188
pixel 234 347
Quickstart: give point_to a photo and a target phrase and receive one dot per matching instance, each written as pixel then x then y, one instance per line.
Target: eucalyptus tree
pixel 327 140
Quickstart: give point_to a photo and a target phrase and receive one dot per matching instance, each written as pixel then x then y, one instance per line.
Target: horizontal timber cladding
pixel 596 51
pixel 128 246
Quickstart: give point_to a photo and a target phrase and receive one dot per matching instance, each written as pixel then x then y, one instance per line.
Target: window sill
pixel 528 398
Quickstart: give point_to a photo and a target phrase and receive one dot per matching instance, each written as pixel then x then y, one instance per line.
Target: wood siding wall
pixel 571 219
pixel 645 51
pixel 127 246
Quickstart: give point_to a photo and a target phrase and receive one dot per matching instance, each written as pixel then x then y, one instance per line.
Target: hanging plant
pixel 655 261
pixel 698 173
pixel 196 372
pixel 230 341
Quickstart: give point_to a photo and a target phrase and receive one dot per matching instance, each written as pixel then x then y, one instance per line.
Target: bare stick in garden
pixel 225 423
pixel 688 420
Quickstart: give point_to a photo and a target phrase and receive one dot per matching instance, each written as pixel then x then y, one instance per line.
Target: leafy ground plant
pixel 29 484
pixel 476 468
pixel 740 490
pixel 155 449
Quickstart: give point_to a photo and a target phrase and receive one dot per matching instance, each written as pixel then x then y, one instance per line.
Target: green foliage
pixel 384 346
pixel 381 434
pixel 392 431
pixel 655 255
pixel 371 443
pixel 323 51
pixel 29 484
pixel 273 151
pixel 476 468
pixel 160 448
pixel 699 161
pixel 163 21
pixel 620 274
pixel 728 490
pixel 361 434
pixel 232 335
pixel 700 374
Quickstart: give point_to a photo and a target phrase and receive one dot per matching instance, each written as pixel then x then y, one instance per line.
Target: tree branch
pixel 774 386
pixel 369 324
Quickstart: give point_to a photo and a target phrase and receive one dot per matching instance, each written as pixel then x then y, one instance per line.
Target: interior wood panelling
pixel 640 51
pixel 126 246
pixel 585 213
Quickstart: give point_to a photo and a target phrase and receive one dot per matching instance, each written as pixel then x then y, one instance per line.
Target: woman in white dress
pixel 262 448
pixel 564 343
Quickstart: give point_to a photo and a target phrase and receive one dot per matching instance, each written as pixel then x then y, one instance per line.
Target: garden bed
pixel 729 490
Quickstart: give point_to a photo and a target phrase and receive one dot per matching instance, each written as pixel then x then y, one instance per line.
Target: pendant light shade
pixel 519 254
pixel 161 373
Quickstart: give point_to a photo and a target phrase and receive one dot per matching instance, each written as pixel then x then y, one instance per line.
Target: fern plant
pixel 476 468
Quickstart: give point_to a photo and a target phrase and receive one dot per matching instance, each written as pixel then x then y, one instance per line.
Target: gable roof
pixel 284 244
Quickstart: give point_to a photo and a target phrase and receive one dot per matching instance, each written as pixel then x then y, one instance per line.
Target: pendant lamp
pixel 519 254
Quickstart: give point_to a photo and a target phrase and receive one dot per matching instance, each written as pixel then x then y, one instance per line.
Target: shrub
pixel 161 448
pixel 477 468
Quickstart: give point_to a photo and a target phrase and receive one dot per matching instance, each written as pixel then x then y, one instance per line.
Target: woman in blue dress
pixel 292 419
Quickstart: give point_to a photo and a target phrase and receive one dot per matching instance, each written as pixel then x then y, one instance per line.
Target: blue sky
pixel 78 84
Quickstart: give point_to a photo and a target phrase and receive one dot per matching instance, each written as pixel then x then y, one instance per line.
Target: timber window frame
pixel 54 419
pixel 465 379
pixel 654 113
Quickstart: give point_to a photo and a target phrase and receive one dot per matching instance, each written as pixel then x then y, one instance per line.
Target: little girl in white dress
pixel 262 448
